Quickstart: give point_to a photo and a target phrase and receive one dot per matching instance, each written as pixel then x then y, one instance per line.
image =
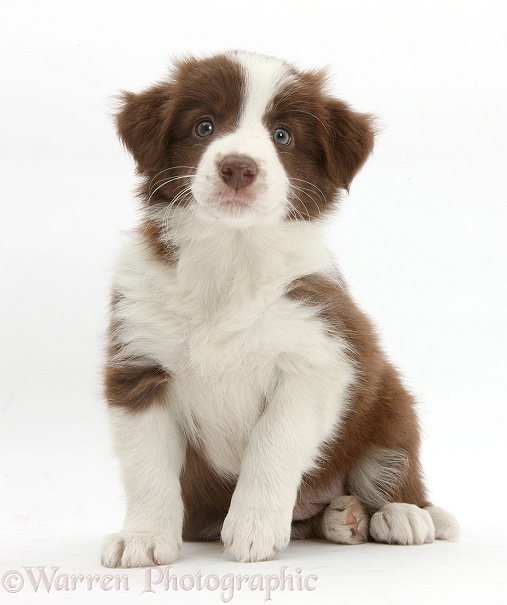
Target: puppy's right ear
pixel 143 122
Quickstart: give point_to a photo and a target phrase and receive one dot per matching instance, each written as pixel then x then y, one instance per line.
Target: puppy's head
pixel 244 139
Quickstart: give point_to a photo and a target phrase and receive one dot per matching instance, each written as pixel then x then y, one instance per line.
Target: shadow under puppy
pixel 248 395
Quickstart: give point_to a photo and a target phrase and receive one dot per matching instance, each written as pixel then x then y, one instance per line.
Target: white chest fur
pixel 219 322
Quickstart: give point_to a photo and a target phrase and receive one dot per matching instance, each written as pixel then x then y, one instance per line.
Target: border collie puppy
pixel 249 398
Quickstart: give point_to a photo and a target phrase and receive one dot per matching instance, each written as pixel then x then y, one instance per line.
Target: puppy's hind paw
pixel 397 523
pixel 446 526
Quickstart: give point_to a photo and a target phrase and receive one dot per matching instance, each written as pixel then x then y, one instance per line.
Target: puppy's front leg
pixel 151 450
pixel 283 444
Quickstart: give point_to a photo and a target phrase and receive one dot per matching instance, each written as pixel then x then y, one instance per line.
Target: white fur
pixel 446 526
pixel 151 448
pixel 283 444
pixel 264 77
pixel 397 523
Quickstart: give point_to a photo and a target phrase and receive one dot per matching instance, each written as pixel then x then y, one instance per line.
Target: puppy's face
pixel 244 139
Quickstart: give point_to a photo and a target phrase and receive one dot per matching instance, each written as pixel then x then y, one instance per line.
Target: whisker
pixel 160 215
pixel 164 218
pixel 304 205
pixel 165 182
pixel 308 195
pixel 297 211
pixel 304 191
pixel 311 185
pixel 188 193
pixel 171 168
pixel 286 153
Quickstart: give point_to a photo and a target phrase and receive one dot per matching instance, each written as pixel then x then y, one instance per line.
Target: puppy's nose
pixel 238 171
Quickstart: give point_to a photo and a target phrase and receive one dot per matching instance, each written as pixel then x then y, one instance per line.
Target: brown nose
pixel 238 171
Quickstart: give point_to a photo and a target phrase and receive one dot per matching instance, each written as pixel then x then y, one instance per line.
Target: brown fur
pixel 165 251
pixel 134 386
pixel 206 495
pixel 131 383
pixel 330 143
pixel 381 410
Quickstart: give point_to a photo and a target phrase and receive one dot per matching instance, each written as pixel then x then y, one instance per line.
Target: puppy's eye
pixel 204 128
pixel 282 136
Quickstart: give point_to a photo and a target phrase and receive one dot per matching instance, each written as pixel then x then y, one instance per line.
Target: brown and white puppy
pixel 249 397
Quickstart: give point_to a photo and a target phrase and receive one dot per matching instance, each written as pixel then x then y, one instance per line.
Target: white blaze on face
pixel 265 200
pixel 264 77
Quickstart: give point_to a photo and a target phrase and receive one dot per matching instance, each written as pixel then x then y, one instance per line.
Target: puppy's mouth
pixel 230 203
pixel 238 202
pixel 235 201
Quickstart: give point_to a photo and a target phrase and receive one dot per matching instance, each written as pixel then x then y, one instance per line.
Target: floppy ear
pixel 349 141
pixel 143 122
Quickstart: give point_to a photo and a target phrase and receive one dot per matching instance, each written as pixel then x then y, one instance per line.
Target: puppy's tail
pixel 446 526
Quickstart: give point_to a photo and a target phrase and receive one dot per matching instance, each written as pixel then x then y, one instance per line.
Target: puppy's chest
pixel 221 342
pixel 221 327
pixel 210 315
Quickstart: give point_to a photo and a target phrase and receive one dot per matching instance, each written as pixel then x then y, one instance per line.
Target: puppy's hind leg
pixel 390 483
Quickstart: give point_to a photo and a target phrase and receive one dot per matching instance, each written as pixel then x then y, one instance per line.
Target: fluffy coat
pixel 249 397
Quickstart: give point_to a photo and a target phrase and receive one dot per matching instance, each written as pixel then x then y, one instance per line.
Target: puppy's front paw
pixel 345 521
pixel 139 549
pixel 397 523
pixel 255 534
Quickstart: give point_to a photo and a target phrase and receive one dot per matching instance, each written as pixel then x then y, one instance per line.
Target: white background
pixel 421 239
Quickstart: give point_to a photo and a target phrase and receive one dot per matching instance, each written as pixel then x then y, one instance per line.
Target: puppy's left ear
pixel 349 141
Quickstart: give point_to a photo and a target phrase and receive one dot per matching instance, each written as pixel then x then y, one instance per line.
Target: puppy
pixel 248 395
